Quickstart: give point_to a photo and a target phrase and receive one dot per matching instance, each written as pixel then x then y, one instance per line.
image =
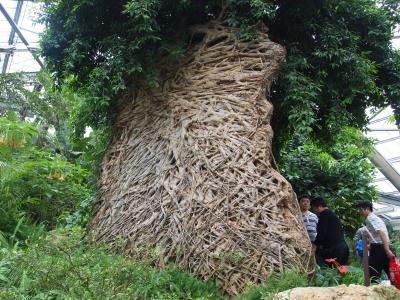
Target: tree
pixel 339 56
pixel 339 62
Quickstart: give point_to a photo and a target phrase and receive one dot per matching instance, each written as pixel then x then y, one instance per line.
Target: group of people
pixel 327 236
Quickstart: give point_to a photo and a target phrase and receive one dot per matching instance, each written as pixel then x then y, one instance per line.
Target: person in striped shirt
pixel 310 219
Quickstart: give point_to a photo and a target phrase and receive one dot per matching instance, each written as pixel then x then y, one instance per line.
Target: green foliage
pixel 61 266
pixel 42 155
pixel 331 277
pixel 247 14
pixel 45 186
pixel 36 98
pixel 13 134
pixel 341 173
pixel 340 53
pixel 37 184
pixel 43 175
pixel 80 216
pixel 21 94
pixel 275 283
pixel 14 96
pixel 339 62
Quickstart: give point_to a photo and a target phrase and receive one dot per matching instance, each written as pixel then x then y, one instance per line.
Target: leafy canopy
pixel 339 62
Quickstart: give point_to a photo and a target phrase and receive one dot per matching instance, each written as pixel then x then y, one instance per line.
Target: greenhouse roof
pixel 15 55
pixel 387 158
pixel 383 129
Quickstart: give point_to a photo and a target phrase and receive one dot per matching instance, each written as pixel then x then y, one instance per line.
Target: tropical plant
pixel 60 266
pixel 331 277
pixel 38 101
pixel 36 185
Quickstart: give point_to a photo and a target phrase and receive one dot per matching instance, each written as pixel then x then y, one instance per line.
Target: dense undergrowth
pixel 60 265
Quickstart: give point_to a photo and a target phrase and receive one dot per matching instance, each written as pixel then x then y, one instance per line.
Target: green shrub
pixel 35 183
pixel 61 266
pixel 275 283
pixel 331 277
pixel 44 186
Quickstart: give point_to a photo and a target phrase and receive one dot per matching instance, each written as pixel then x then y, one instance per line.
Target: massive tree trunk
pixel 188 174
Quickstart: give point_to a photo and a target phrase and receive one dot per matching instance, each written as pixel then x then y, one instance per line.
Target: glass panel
pixel 21 59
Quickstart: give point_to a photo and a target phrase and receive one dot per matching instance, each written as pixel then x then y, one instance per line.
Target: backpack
pixel 359 248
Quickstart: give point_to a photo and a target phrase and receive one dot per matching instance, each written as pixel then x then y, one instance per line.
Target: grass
pixel 58 265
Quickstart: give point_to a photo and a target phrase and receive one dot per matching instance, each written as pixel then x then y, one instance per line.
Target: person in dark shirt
pixel 330 242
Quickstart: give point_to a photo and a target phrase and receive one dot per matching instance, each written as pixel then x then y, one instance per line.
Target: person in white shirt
pixel 310 219
pixel 379 253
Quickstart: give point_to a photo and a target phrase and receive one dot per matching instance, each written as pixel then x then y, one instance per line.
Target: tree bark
pixel 188 175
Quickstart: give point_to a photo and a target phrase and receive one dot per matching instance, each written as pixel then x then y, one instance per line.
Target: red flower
pixel 342 269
